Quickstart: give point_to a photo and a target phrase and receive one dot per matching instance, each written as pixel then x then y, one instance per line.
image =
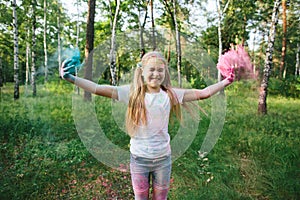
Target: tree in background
pixel 178 43
pixel 282 72
pixel 45 42
pixel 171 9
pixel 1 75
pixel 25 30
pixel 221 12
pixel 297 67
pixel 89 45
pixel 174 17
pixel 292 40
pixel 153 25
pixel 59 20
pixel 238 17
pixel 27 69
pixel 58 40
pixel 113 52
pixel 1 79
pixel 16 51
pixel 261 19
pixel 262 102
pixel 142 7
pixel 33 48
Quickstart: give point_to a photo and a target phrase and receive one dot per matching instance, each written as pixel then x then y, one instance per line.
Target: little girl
pixel 150 99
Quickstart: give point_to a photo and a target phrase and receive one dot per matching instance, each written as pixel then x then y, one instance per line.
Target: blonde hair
pixel 136 110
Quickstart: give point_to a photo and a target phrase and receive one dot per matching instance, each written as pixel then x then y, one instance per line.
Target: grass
pixel 42 156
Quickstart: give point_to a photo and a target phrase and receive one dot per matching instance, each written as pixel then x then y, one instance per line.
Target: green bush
pixel 289 87
pixel 198 82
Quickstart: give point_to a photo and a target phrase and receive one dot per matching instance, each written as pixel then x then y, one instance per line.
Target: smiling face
pixel 154 73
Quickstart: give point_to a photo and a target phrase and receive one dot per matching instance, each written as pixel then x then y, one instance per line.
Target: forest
pixel 50 140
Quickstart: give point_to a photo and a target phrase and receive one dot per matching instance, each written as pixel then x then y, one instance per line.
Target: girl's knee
pixel 160 193
pixel 140 184
pixel 141 194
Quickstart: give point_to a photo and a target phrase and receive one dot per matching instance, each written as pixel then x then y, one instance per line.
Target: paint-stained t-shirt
pixel 153 139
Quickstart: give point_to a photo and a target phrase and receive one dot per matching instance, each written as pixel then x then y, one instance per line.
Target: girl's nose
pixel 156 73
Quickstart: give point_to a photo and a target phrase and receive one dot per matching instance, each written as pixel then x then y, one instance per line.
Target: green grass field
pixel 42 156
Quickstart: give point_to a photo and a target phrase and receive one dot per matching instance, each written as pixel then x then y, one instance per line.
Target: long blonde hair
pixel 136 110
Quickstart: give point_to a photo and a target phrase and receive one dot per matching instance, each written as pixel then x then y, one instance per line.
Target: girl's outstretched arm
pixel 67 73
pixel 87 85
pixel 196 94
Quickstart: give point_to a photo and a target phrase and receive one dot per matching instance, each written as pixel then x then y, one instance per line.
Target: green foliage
pixel 209 37
pixel 198 83
pixel 289 87
pixel 24 16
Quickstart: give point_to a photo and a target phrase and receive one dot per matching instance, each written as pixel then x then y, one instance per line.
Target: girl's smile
pixel 154 74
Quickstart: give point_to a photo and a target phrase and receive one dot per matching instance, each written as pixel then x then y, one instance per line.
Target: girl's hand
pixel 69 67
pixel 229 79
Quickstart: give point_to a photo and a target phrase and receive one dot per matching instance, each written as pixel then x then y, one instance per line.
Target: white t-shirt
pixel 152 140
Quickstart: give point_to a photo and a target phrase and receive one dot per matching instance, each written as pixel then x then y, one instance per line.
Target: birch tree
pixel 33 49
pixel 77 40
pixel 58 42
pixel 16 51
pixel 178 44
pixel 262 102
pixel 113 53
pixel 294 13
pixel 153 25
pixel 171 10
pixel 27 70
pixel 59 19
pixel 77 24
pixel 220 17
pixel 297 68
pixel 89 45
pixel 45 41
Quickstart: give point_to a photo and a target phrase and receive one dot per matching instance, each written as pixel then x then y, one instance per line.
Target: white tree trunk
pixel 262 102
pixel 113 67
pixel 33 62
pixel 58 42
pixel 45 41
pixel 220 17
pixel 16 51
pixel 77 41
pixel 27 73
pixel 77 24
pixel 297 70
pixel 219 33
pixel 254 56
